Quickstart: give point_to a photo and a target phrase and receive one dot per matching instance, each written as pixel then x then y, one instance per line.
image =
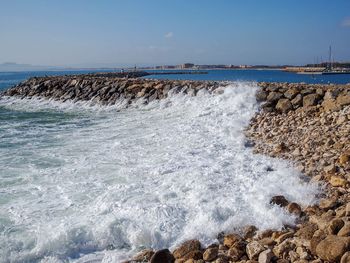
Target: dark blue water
pixel 8 79
pixel 258 75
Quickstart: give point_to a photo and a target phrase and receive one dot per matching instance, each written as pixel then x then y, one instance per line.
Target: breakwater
pixel 106 88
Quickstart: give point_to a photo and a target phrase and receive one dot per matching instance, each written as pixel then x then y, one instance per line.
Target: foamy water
pixel 93 184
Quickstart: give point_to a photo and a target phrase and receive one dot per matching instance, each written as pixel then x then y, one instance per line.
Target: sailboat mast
pixel 330 58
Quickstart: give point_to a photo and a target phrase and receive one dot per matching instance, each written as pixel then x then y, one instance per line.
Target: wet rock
pixel 279 200
pixel 294 208
pixel 162 256
pixel 335 225
pixel 144 255
pixel 187 247
pixel 232 239
pixel 253 249
pixel 210 254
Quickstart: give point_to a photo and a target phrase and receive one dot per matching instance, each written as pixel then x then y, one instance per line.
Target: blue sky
pixel 127 32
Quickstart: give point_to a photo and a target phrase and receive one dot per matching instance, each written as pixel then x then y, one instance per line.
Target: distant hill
pixel 11 67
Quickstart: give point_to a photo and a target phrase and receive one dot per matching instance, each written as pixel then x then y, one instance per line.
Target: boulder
pixel 291 93
pixel 274 96
pixel 345 258
pixel 310 100
pixel 332 248
pixel 343 100
pixel 253 249
pixel 186 247
pixel 210 254
pixel 162 256
pixel 266 256
pixel 279 200
pixel 231 239
pixel 284 105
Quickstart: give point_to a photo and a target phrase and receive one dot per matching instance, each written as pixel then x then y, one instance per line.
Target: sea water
pixel 83 183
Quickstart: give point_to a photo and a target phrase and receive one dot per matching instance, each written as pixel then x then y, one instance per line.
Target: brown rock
pixel 332 248
pixel 261 95
pixel 345 258
pixel 186 247
pixel 235 253
pixel 253 249
pixel 297 101
pixel 279 200
pixel 282 250
pixel 338 181
pixel 344 158
pixel 284 105
pixel 345 230
pixel 343 100
pixel 231 239
pixel 307 231
pixel 310 100
pixel 162 256
pixel 210 254
pixel 274 96
pixel 291 93
pixel 194 254
pixel 294 208
pixel 249 231
pixel 266 256
pixel 334 226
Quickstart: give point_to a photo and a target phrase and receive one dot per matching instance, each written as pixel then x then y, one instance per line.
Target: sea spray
pixel 90 183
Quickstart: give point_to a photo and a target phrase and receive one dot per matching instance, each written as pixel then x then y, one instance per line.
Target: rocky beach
pixel 306 124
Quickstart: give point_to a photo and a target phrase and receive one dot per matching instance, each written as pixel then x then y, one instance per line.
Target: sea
pixel 86 183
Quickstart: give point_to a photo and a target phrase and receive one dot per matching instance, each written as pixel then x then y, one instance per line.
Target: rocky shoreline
pixel 306 124
pixel 309 125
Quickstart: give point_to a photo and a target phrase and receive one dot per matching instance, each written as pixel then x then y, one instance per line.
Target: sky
pixel 97 33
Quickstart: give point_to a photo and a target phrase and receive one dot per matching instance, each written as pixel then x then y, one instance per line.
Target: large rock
pixel 310 100
pixel 284 105
pixel 210 254
pixel 231 239
pixel 253 249
pixel 332 248
pixel 343 100
pixel 187 247
pixel 266 256
pixel 144 255
pixel 345 258
pixel 162 256
pixel 274 96
pixel 279 200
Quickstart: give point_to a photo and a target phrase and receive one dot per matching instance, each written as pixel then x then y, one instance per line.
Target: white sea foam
pixel 93 184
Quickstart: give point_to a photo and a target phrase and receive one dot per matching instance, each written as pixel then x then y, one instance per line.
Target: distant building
pixel 187 65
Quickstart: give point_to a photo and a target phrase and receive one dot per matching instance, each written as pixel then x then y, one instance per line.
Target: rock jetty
pixel 105 88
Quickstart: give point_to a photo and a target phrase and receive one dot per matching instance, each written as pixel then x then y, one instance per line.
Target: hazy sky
pixel 125 32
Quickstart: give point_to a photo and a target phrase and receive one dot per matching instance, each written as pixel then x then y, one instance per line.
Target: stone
pixel 343 100
pixel 345 230
pixel 274 96
pixel 334 226
pixel 162 256
pixel 144 255
pixel 345 258
pixel 282 250
pixel 279 200
pixel 235 253
pixel 186 247
pixel 284 105
pixel 249 231
pixel 265 256
pixel 332 248
pixel 328 203
pixel 194 254
pixel 344 158
pixel 338 181
pixel 291 93
pixel 210 254
pixel 297 101
pixel 231 239
pixel 347 209
pixel 294 208
pixel 261 95
pixel 330 105
pixel 253 249
pixel 310 100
